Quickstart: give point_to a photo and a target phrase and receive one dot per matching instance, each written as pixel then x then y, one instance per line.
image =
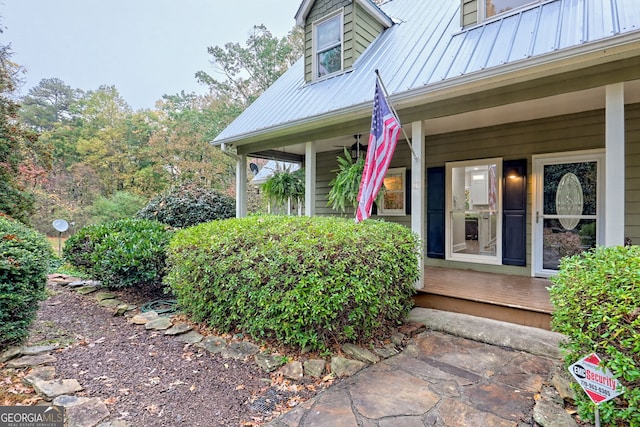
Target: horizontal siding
pixel 326 166
pixel 469 12
pixel 516 141
pixel 632 174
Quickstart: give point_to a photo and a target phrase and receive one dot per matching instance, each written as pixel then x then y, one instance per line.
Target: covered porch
pixel 516 299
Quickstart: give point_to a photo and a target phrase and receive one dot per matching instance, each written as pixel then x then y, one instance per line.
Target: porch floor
pixel 515 299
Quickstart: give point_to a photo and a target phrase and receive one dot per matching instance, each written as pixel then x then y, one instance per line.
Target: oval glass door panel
pixel 569 214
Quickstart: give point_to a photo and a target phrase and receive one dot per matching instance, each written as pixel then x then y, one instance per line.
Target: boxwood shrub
pixel 302 281
pixel 187 205
pixel 123 253
pixel 596 296
pixel 25 259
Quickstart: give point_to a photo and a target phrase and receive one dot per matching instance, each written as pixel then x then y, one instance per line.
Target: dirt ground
pixel 149 379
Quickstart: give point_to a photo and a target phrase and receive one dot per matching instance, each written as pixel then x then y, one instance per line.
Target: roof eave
pixel 609 50
pixel 375 11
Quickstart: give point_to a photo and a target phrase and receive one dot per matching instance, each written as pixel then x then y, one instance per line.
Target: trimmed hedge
pixel 302 281
pixel 123 253
pixel 25 259
pixel 596 296
pixel 189 205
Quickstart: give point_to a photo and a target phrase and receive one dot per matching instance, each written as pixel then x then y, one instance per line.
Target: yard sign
pixel 597 382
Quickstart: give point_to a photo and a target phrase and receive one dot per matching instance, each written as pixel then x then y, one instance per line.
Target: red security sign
pixel 598 383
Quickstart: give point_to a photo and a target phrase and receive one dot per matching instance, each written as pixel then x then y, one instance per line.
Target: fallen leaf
pixel 192 388
pixel 110 401
pixel 240 387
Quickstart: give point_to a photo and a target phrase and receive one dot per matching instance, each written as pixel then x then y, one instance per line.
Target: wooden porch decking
pixel 515 299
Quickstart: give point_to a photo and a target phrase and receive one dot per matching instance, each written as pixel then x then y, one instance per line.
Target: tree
pixel 19 152
pixel 181 146
pixel 49 104
pixel 249 71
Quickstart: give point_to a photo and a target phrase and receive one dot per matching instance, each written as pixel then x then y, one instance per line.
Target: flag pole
pixel 395 113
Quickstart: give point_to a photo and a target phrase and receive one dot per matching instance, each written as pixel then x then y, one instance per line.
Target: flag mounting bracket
pixel 395 113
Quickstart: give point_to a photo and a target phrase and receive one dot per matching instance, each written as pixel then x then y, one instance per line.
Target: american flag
pixel 385 129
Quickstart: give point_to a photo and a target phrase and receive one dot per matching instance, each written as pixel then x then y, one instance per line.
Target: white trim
pixel 583 56
pixel 310 178
pixel 314 42
pixel 537 190
pixel 376 12
pixel 482 11
pixel 418 202
pixel 450 253
pixel 395 212
pixel 241 186
pixel 615 161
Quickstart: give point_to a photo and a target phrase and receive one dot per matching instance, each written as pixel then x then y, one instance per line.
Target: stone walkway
pixel 459 371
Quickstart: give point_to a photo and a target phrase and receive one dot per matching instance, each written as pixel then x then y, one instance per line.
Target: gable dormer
pixel 477 11
pixel 336 34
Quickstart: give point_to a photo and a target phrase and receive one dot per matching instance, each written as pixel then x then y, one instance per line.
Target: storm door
pixel 567 207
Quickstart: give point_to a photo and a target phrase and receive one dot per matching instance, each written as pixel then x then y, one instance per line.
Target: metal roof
pixel 427 46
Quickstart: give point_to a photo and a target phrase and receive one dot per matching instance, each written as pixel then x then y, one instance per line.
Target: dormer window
pixel 496 7
pixel 328 35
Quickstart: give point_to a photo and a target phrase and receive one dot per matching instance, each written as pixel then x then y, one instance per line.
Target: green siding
pixel 359 30
pixel 469 15
pixel 511 142
pixel 632 174
pixel 326 166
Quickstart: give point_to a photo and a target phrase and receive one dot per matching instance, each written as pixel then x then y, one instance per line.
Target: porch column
pixel 241 186
pixel 418 191
pixel 310 179
pixel 614 166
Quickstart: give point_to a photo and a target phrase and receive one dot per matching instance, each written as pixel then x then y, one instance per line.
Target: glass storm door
pixel 566 211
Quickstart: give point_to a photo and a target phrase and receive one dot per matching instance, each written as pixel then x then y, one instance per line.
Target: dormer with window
pixel 336 34
pixel 477 11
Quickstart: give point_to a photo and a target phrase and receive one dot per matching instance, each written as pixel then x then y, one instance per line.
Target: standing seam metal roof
pixel 428 46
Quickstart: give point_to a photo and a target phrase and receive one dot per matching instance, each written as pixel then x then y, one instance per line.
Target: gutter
pixel 592 54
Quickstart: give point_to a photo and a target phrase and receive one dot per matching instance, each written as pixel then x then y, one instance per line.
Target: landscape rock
pixel 9 353
pixel 386 352
pixel 191 337
pixel 86 290
pixel 26 361
pixel 123 308
pixel 114 423
pixel 343 367
pixel 42 373
pixel 240 350
pixel 179 328
pixel 397 338
pixel 76 284
pixel 144 318
pixel 360 353
pixel 550 414
pixel 268 362
pixel 159 324
pixel 83 411
pixel 110 303
pixel 293 370
pixel 38 349
pixel 212 344
pixel 100 296
pixel 53 388
pixel 563 386
pixel 314 367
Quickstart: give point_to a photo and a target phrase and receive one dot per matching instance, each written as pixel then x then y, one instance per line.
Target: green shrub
pixel 124 253
pixel 596 296
pixel 189 205
pixel 25 257
pixel 303 281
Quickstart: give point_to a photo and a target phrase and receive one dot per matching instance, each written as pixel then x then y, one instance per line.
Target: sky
pixel 145 48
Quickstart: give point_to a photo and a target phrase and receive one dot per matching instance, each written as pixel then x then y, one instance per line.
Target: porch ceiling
pixel 566 103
